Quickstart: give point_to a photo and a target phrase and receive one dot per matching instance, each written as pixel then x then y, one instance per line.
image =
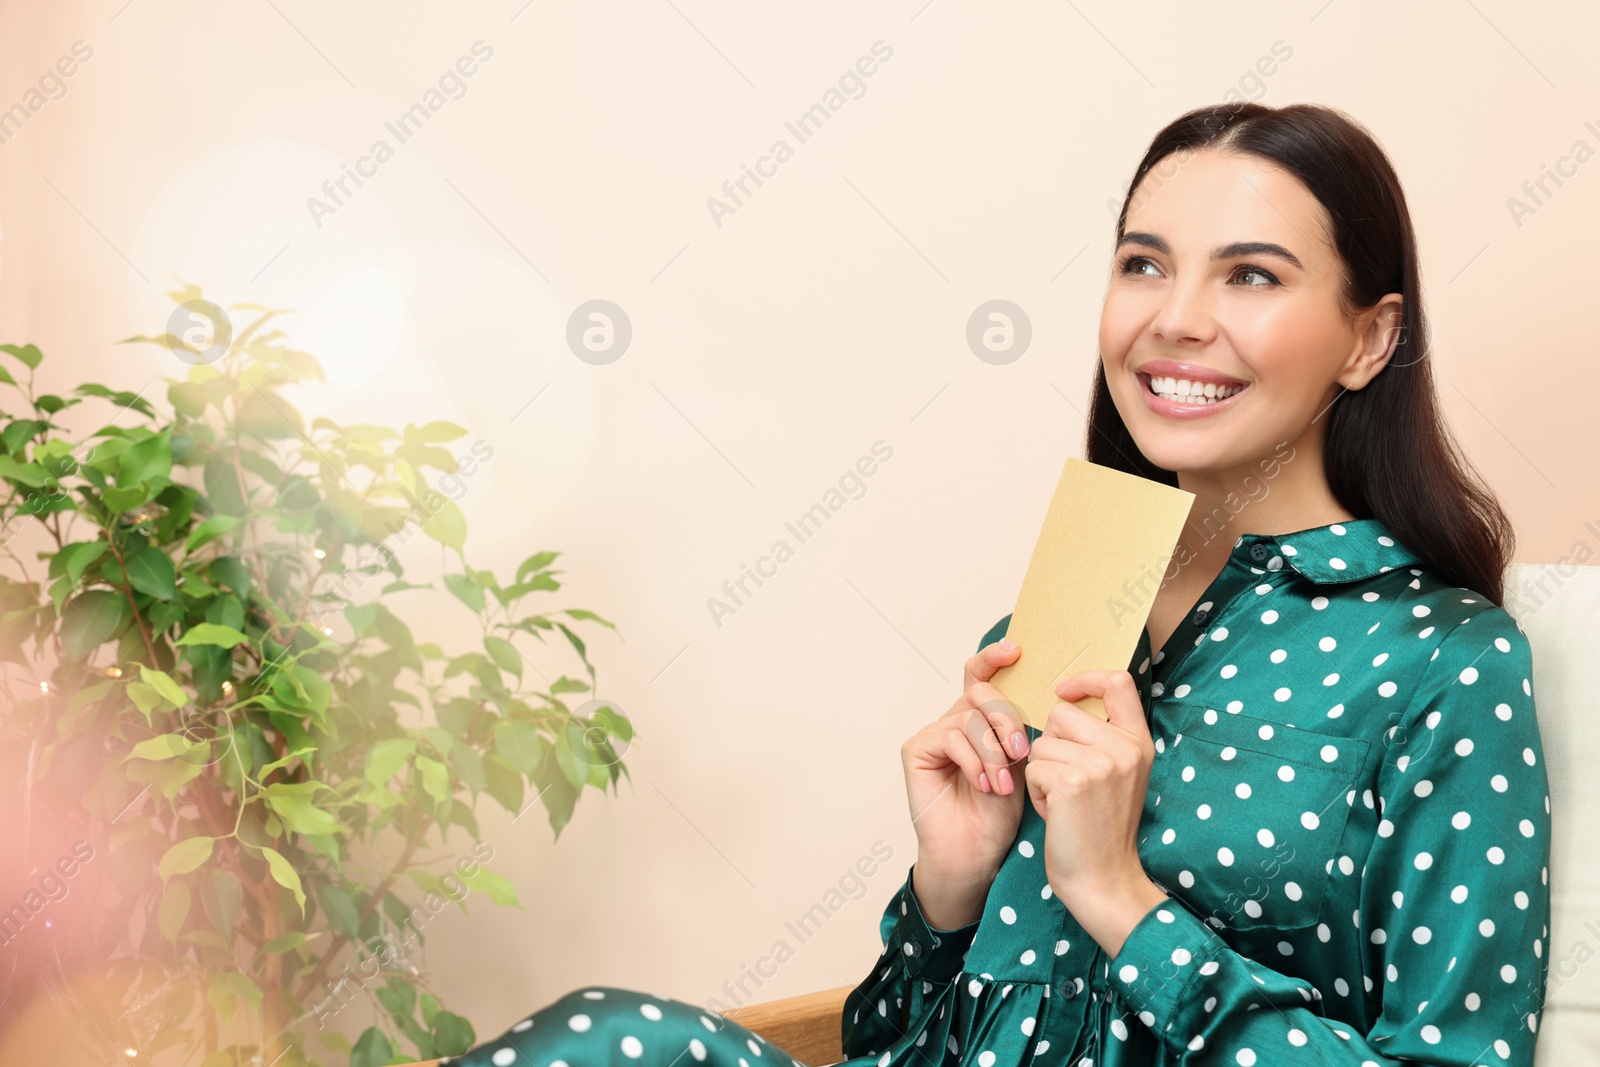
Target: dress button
pixel 1260 551
pixel 914 948
pixel 1200 618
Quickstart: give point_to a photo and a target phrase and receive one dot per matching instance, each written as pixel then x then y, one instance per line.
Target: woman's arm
pixel 917 963
pixel 1454 922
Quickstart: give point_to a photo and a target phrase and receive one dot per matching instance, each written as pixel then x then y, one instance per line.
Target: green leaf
pixel 504 654
pixel 150 571
pixel 28 354
pixel 534 563
pixel 92 618
pixel 448 526
pixel 285 875
pixel 209 633
pixel 75 558
pixel 340 909
pixel 301 815
pixel 210 530
pixel 298 753
pixel 435 778
pixel 29 474
pixel 146 460
pixel 371 1049
pixel 564 684
pixel 499 888
pixel 467 590
pixel 386 757
pixel 173 911
pixel 285 942
pixel 452 1035
pixel 580 613
pixel 167 746
pixel 162 682
pixel 185 856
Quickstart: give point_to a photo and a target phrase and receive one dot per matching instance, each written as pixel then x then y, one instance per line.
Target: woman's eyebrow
pixel 1229 251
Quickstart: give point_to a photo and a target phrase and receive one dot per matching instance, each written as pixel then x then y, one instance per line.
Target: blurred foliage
pixel 224 698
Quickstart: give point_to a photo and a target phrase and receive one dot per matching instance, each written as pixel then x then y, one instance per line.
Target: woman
pixel 1315 828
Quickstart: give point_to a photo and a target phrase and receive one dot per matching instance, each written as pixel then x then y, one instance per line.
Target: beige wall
pixel 770 352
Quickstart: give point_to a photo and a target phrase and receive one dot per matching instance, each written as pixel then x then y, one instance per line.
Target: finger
pixel 942 745
pixel 1068 720
pixel 982 665
pixel 1010 730
pixel 1118 692
pixel 979 729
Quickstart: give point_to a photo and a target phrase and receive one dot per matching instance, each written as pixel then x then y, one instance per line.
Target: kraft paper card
pixel 1106 542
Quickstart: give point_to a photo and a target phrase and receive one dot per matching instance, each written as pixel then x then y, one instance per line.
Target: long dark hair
pixel 1388 453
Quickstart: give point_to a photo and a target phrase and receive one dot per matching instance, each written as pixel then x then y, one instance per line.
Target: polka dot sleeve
pixel 1452 930
pixel 917 963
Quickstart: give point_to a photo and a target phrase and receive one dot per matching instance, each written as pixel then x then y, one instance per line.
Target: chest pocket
pixel 1245 815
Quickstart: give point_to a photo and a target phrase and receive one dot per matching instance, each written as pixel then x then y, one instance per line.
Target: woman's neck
pixel 1274 495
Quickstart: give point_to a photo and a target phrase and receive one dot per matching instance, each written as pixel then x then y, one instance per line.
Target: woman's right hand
pixel 965 786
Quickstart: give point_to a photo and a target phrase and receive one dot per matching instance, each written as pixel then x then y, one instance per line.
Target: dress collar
pixel 1339 552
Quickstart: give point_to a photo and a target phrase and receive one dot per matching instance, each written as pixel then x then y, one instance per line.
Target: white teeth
pixel 1182 390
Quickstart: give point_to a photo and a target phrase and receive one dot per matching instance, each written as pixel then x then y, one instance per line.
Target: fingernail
pixel 1007 646
pixel 1019 744
pixel 983 781
pixel 1005 781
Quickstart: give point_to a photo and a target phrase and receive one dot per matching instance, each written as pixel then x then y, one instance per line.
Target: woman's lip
pixel 1193 372
pixel 1173 410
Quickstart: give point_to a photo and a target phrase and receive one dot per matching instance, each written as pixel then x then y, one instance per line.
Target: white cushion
pixel 1558 607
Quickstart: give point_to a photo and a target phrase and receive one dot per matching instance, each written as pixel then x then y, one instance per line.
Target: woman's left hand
pixel 1087 779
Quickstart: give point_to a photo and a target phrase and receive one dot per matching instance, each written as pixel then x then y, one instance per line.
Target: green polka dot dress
pixel 1348 810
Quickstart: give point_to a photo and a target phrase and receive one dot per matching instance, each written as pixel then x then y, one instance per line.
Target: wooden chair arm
pixel 805 1026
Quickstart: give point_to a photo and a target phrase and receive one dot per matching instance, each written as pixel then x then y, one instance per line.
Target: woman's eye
pixel 1134 265
pixel 1258 272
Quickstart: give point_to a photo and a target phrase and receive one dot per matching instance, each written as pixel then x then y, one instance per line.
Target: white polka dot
pixel 632 1047
pixel 1281 694
pixel 1422 935
pixel 1026 848
pixel 1310 820
pixel 523 1027
pixel 1243 790
pixel 1430 1034
pixel 579 1022
pixel 504 1057
pixel 1461 820
pixel 1327 644
pixel 1128 972
pixel 1337 564
pixel 1008 915
pixel 1269 617
pixel 1292 890
pixel 1286 773
pixel 1329 753
pixel 1423 861
pixel 593 994
pixel 1265 837
pixel 1318 603
pixel 1469 675
pixel 1486 928
pixel 1203 811
pixel 1246 1057
pixel 1225 856
pixel 1278 655
pixel 1503 712
pixel 1508 973
pixel 1028 956
pixel 697 1048
pixel 1181 956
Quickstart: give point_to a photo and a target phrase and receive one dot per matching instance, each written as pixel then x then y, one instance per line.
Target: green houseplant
pixel 211 684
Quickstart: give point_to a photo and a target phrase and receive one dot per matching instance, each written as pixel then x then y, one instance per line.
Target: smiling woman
pixel 1315 828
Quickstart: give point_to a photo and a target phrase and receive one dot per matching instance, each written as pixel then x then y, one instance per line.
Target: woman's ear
pixel 1379 332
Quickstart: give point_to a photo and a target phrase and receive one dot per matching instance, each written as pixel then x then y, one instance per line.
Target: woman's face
pixel 1226 275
